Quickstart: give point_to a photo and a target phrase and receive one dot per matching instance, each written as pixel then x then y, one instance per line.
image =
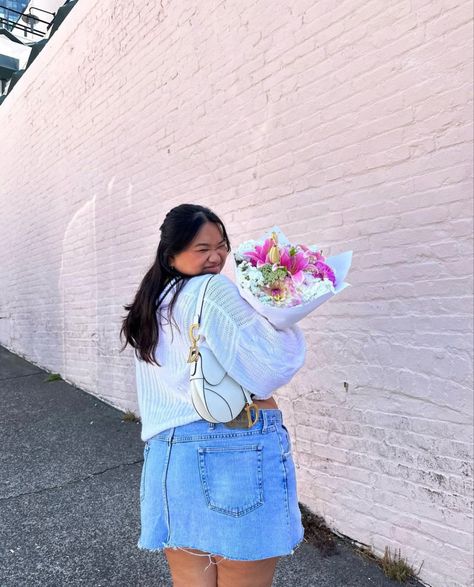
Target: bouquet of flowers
pixel 285 282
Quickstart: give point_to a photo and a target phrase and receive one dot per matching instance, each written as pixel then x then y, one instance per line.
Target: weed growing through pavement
pixel 395 567
pixel 54 377
pixel 129 416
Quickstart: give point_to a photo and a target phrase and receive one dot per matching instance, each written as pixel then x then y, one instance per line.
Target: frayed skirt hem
pixel 161 548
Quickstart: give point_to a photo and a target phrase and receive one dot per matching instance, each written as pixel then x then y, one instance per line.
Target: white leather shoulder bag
pixel 216 396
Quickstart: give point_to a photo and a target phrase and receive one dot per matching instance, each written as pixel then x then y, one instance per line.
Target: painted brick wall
pixel 348 124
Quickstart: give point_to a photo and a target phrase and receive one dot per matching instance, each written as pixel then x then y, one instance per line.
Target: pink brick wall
pixel 348 124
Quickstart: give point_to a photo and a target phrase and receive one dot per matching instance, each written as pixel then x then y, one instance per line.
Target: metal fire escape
pixel 25 24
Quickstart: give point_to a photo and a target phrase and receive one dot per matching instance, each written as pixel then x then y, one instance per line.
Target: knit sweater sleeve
pixel 255 353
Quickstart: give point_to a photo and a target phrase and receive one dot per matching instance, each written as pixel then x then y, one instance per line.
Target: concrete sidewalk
pixel 69 496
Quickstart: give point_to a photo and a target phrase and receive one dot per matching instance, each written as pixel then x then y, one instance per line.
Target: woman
pixel 219 499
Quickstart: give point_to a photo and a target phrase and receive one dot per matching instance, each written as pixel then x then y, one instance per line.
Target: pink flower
pixel 259 257
pixel 277 291
pixel 281 290
pixel 294 263
pixel 323 271
pixel 313 256
pixel 292 288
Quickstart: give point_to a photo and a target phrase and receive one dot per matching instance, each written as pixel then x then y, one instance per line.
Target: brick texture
pixel 348 124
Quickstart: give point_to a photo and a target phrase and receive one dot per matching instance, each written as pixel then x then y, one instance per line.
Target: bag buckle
pixel 248 407
pixel 193 349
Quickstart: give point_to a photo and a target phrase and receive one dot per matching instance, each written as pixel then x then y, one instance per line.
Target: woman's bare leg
pixel 191 568
pixel 232 573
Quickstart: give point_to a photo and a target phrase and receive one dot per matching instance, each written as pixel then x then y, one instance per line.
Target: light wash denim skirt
pixel 226 491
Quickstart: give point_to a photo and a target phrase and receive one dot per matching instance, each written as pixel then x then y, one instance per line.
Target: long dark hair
pixel 140 326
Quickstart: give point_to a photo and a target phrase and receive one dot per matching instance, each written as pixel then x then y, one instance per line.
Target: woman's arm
pixel 255 353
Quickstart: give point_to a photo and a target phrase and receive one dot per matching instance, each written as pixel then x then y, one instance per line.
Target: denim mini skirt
pixel 225 491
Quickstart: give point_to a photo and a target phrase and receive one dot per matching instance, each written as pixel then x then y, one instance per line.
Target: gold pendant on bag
pixel 193 349
pixel 193 354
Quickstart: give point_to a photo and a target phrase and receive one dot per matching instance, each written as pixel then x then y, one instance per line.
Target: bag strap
pixel 193 335
pixel 168 287
pixel 200 301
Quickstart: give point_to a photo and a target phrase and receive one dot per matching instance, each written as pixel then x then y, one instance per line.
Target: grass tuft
pixel 394 567
pixel 54 377
pixel 129 416
pixel 397 568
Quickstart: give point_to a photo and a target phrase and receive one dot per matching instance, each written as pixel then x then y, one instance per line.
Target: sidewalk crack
pixel 20 376
pixel 71 482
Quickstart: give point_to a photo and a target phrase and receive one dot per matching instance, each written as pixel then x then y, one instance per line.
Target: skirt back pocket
pixel 231 478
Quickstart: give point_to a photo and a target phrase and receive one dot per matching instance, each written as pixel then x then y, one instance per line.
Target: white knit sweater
pixel 253 352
